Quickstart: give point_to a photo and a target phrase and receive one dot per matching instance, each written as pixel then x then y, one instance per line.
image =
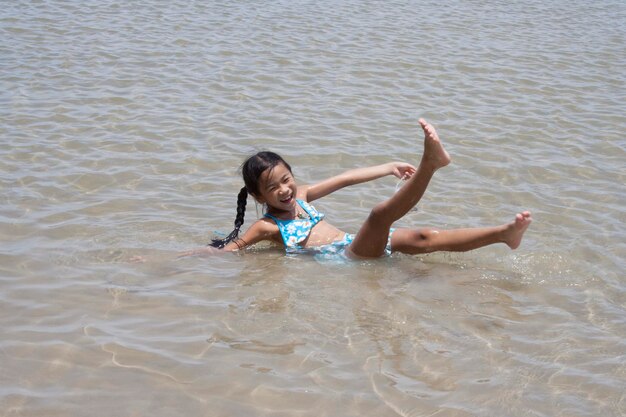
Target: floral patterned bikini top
pixel 297 230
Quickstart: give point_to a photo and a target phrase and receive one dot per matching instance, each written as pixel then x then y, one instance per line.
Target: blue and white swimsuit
pixel 295 231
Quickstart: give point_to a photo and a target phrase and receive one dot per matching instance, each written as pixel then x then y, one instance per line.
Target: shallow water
pixel 122 130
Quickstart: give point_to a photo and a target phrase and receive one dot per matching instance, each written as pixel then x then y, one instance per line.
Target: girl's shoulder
pixel 265 227
pixel 303 193
pixel 264 223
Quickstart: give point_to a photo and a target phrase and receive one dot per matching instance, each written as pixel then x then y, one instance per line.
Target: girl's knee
pixel 428 233
pixel 379 214
pixel 420 241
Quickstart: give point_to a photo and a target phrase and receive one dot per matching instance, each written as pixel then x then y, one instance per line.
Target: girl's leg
pixel 460 240
pixel 371 239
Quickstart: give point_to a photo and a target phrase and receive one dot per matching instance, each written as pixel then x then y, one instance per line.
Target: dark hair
pixel 251 171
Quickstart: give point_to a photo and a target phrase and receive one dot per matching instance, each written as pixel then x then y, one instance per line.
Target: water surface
pixel 122 129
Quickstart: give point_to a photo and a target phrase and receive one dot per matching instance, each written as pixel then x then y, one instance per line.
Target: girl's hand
pixel 402 170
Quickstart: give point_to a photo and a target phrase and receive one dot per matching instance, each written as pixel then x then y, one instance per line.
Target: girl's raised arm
pixel 357 176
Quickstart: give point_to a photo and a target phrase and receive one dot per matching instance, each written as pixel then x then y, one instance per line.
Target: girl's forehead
pixel 274 174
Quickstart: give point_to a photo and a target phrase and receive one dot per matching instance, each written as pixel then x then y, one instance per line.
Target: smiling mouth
pixel 286 200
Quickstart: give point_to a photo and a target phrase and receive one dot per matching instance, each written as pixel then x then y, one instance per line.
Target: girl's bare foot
pixel 434 152
pixel 515 230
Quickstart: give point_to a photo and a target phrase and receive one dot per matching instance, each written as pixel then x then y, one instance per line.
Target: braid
pixel 242 199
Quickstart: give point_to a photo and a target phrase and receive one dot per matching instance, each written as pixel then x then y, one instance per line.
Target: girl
pixel 292 222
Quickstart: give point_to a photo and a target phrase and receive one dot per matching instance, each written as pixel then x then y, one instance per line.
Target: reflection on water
pixel 123 127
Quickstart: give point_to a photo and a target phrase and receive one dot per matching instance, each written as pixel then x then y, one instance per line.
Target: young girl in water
pixel 292 222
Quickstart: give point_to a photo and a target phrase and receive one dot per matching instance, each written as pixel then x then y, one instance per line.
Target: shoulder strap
pixel 307 208
pixel 271 217
pixel 310 210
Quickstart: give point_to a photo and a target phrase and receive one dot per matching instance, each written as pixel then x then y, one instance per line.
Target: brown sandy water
pixel 122 129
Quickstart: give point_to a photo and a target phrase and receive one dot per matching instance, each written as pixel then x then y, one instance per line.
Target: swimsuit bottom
pixel 337 249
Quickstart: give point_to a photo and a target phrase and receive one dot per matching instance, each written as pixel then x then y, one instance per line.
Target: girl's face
pixel 277 188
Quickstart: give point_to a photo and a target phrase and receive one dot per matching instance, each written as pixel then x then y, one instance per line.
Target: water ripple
pixel 123 128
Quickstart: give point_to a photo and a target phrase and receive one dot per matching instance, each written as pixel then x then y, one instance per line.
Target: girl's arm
pixel 357 176
pixel 262 229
